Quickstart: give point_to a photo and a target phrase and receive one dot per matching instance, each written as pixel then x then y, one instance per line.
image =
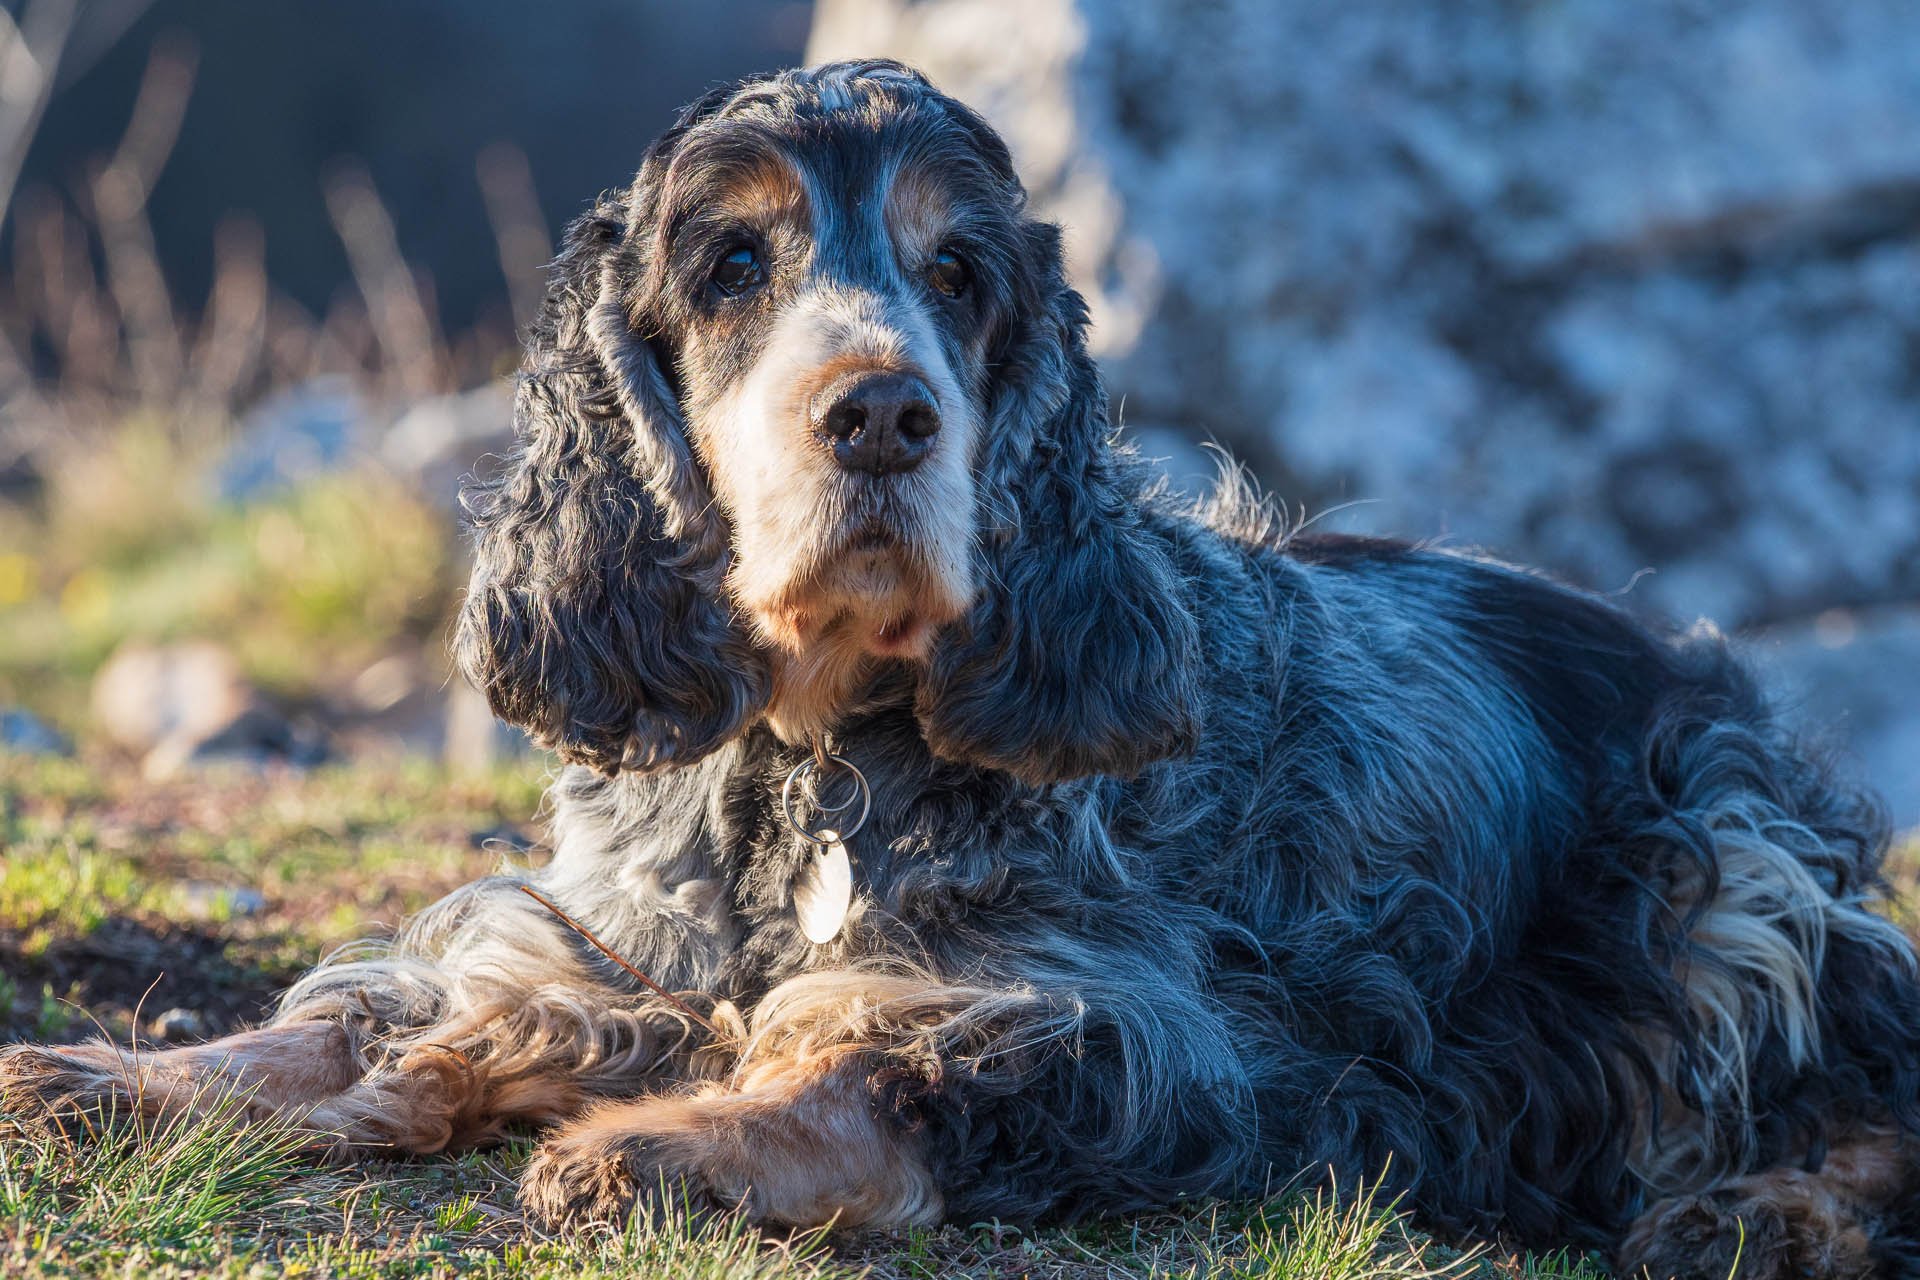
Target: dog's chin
pixel 873 594
pixel 874 619
pixel 871 600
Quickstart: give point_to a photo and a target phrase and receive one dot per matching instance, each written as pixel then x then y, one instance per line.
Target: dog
pixel 1071 848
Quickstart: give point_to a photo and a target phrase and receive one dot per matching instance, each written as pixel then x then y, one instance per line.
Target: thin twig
pixel 519 231
pixel 395 306
pixel 233 331
pixel 29 61
pixel 614 956
pixel 119 193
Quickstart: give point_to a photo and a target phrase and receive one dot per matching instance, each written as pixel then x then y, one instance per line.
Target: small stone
pixel 204 900
pixel 147 694
pixel 25 733
pixel 176 1025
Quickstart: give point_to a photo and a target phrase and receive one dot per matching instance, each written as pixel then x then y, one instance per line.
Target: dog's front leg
pixel 485 1017
pixel 795 1138
pixel 254 1075
pixel 859 1099
pixel 816 1123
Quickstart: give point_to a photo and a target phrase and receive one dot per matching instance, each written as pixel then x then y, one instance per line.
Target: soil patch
pixel 127 965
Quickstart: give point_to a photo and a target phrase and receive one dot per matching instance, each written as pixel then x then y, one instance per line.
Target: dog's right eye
pixel 738 272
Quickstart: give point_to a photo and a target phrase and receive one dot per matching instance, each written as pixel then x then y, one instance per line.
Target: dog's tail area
pixel 1790 1096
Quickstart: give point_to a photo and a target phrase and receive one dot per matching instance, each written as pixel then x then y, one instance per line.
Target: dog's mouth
pixel 872 536
pixel 906 636
pixel 873 592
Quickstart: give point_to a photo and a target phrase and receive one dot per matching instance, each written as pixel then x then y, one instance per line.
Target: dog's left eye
pixel 950 273
pixel 738 272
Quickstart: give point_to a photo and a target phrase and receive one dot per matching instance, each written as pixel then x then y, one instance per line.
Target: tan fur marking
pixel 434 1100
pixel 850 364
pixel 771 191
pixel 801 1133
pixel 271 1071
pixel 794 1140
pixel 918 213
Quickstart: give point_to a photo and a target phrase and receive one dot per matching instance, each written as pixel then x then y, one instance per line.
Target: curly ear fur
pixel 595 617
pixel 1079 657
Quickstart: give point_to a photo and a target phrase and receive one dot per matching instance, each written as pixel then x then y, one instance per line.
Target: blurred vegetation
pixel 123 540
pixel 216 889
pixel 119 401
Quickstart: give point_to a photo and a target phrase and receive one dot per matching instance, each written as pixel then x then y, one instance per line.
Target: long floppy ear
pixel 595 618
pixel 1079 657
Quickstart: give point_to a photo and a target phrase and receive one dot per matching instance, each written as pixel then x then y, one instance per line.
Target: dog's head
pixel 811 396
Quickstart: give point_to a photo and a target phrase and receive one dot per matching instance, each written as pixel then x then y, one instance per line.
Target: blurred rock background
pixel 1624 288
pixel 1628 289
pixel 260 276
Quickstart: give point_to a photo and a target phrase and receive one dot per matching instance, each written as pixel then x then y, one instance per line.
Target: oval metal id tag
pixel 824 889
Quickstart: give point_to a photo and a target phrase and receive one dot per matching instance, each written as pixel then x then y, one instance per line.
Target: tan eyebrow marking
pixel 918 212
pixel 768 192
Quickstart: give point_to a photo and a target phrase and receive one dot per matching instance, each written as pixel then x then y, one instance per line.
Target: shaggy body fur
pixel 1202 857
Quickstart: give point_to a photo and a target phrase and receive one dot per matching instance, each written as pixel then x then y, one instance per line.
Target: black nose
pixel 879 423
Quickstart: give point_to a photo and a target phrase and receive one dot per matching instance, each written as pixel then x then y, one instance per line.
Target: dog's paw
pixel 1705 1237
pixel 801 1148
pixel 42 1086
pixel 587 1174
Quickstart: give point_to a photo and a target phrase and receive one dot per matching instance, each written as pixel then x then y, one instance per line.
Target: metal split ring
pixel 861 793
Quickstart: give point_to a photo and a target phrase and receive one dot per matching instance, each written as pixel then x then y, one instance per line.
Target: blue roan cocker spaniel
pixel 1023 843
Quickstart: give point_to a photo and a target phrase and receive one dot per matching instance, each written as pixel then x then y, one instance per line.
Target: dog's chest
pixel 926 866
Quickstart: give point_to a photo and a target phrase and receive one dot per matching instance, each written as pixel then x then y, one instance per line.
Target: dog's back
pixel 1574 926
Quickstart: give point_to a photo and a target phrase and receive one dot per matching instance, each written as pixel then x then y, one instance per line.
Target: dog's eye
pixel 950 273
pixel 738 272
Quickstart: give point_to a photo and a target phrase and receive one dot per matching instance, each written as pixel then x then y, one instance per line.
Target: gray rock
pixel 23 732
pixel 178 1025
pixel 146 693
pixel 204 900
pixel 438 442
pixel 1853 679
pixel 1610 285
pixel 188 703
pixel 259 736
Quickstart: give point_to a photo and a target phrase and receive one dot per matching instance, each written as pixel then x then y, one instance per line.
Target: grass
pixel 210 892
pixel 214 1200
pixel 117 902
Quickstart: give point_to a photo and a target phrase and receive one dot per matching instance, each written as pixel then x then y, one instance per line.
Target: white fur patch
pixel 813 598
pixel 1758 953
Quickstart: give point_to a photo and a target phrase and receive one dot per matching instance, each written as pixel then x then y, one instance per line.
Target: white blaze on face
pixel 807 570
